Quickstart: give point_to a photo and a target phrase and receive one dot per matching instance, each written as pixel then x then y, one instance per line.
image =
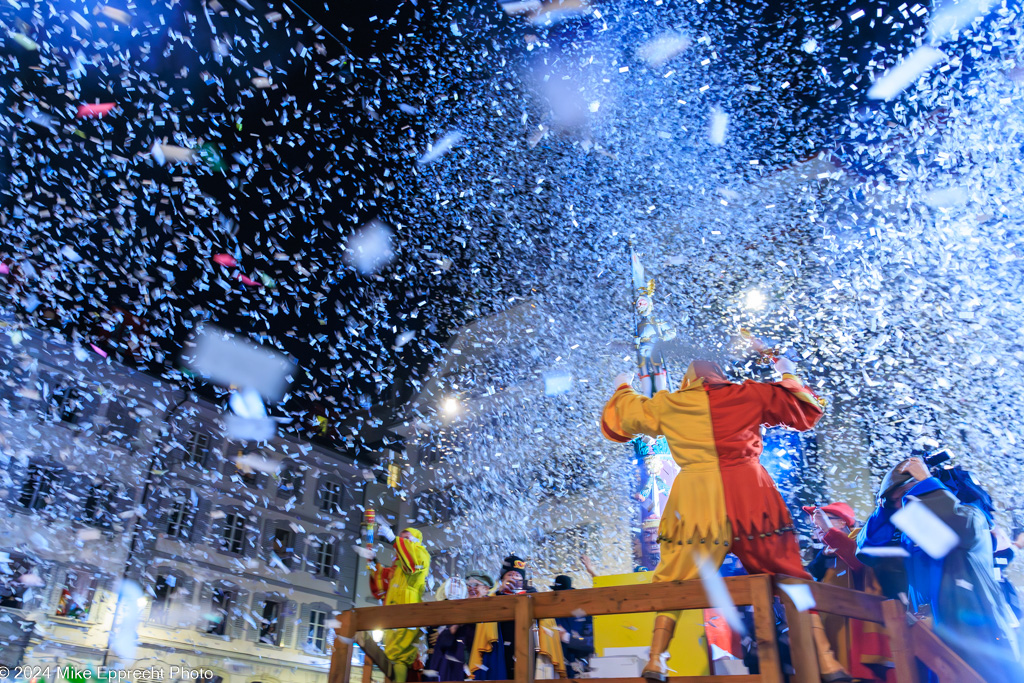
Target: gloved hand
pixel 623 378
pixel 785 366
pixel 386 533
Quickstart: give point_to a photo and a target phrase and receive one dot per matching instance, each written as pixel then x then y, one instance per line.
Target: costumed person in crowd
pixel 861 647
pixel 723 500
pixel 576 633
pixel 493 655
pixel 1007 549
pixel 479 584
pixel 446 659
pixel 969 611
pixel 404 581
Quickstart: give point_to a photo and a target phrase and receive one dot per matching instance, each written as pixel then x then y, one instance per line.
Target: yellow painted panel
pixel 688 652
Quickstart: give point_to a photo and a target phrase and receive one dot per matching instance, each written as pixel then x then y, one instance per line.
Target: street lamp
pixel 451 405
pixel 754 300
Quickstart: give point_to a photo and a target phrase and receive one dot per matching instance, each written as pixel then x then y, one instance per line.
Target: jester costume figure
pixel 405 587
pixel 723 500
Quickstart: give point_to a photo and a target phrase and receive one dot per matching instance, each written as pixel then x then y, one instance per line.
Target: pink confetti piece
pixel 4 269
pixel 248 281
pixel 226 260
pixel 89 110
pixel 98 350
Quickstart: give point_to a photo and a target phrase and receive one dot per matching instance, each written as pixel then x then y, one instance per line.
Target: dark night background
pixel 325 150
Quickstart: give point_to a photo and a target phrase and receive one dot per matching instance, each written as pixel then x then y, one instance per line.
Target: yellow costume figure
pixel 412 563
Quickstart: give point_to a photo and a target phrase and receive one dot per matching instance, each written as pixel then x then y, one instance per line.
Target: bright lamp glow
pixel 141 602
pixel 754 300
pixel 451 406
pixel 378 636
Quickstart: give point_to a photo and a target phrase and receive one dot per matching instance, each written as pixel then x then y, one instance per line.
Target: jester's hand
pixel 385 531
pixel 785 366
pixel 623 378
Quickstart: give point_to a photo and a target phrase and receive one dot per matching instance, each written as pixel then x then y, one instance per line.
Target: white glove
pixel 785 366
pixel 386 533
pixel 623 378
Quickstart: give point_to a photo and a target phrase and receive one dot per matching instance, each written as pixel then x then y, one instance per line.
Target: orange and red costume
pixel 723 500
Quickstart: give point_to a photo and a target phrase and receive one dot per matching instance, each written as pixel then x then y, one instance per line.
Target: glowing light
pixel 378 636
pixel 141 602
pixel 451 406
pixel 754 300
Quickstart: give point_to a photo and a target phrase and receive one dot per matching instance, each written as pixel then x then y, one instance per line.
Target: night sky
pixel 285 175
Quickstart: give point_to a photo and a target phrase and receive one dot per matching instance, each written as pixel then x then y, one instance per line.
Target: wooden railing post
pixel 899 641
pixel 762 599
pixel 525 668
pixel 802 650
pixel 368 670
pixel 946 664
pixel 341 660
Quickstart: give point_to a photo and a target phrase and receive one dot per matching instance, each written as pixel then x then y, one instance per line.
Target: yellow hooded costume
pixel 411 566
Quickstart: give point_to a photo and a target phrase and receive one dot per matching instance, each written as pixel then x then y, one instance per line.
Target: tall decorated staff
pixel 655 468
pixel 366 533
pixel 650 363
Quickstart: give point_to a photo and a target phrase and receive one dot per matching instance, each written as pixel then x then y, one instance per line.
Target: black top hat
pixel 562 583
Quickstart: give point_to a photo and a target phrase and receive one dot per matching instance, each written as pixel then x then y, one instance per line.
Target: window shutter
pixel 288 616
pixel 66 481
pixel 205 607
pixel 191 515
pixel 267 541
pixel 312 543
pixel 176 456
pixel 255 613
pixel 122 501
pixel 57 578
pixel 162 502
pixel 146 611
pixel 201 526
pixel 184 602
pixel 238 627
pixel 102 595
pixel 250 531
pixel 302 629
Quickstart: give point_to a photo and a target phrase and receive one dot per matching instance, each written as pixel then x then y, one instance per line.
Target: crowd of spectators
pixel 931 542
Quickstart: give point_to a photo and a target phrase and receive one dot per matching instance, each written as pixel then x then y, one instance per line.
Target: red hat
pixel 840 510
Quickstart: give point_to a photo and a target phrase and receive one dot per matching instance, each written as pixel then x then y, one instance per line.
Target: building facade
pixel 236 555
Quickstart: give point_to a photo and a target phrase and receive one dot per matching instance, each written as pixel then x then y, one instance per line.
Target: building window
pixel 283 545
pixel 331 497
pixel 77 595
pixel 316 640
pixel 163 590
pixel 269 632
pixel 243 471
pixel 180 516
pixel 289 483
pixel 323 559
pixel 122 424
pixel 38 487
pixel 220 607
pixel 13 585
pixel 197 448
pixel 98 509
pixel 67 402
pixel 232 535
